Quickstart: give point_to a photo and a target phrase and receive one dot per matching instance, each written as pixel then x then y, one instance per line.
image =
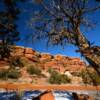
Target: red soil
pixel 18 86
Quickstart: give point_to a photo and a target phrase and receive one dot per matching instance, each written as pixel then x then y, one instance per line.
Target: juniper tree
pixel 8 27
pixel 61 22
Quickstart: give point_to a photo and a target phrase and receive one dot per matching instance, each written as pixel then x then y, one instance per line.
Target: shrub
pixel 16 62
pixel 34 70
pixel 50 70
pixel 90 77
pixel 11 73
pixel 57 78
pixel 85 77
pixel 3 74
pixel 95 78
pixel 65 79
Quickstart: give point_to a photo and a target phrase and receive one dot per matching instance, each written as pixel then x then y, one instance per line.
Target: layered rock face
pixel 45 60
pixel 28 57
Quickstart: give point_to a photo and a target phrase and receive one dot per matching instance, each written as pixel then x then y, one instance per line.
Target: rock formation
pixel 45 61
pixel 47 95
pixel 59 62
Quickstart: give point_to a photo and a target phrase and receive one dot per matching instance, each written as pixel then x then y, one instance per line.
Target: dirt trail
pixel 18 86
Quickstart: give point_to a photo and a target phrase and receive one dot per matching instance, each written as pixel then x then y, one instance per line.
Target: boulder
pixel 84 97
pixel 68 74
pixel 81 96
pixel 47 96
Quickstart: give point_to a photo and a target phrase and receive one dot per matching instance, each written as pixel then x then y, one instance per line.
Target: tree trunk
pixel 93 58
pixel 91 53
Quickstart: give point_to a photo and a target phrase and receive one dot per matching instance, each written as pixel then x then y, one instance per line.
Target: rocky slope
pixel 44 61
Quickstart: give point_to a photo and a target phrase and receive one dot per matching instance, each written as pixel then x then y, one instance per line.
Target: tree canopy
pixel 8 27
pixel 61 22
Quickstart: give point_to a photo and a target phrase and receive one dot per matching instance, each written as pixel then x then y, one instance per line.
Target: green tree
pixel 8 27
pixel 61 22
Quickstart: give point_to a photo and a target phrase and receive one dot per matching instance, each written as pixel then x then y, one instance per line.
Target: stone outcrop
pixel 46 56
pixel 17 51
pixel 45 60
pixel 81 96
pixel 47 95
pixel 28 57
pixel 24 52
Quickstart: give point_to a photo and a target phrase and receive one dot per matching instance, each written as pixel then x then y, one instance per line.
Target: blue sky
pixel 69 50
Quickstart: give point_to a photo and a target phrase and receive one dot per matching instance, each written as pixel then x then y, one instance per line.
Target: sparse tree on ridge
pixel 8 27
pixel 61 22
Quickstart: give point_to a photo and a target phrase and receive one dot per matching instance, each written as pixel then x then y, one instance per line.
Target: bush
pixel 11 73
pixel 50 70
pixel 85 77
pixel 90 77
pixel 34 70
pixel 65 79
pixel 3 74
pixel 16 62
pixel 57 78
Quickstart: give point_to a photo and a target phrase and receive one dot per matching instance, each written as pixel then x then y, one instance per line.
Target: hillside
pixel 35 67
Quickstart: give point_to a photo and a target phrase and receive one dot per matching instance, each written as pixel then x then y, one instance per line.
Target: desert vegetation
pixel 66 26
pixel 90 77
pixel 32 70
pixel 57 78
pixel 16 62
pixel 9 74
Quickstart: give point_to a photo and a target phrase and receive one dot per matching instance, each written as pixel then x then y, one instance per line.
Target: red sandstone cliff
pixel 45 60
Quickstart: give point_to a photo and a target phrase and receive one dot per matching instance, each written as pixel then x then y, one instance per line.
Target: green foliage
pixel 65 79
pixel 50 70
pixel 64 26
pixel 11 73
pixel 34 70
pixel 85 77
pixel 3 74
pixel 16 62
pixel 90 77
pixel 57 78
pixel 53 24
pixel 8 28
